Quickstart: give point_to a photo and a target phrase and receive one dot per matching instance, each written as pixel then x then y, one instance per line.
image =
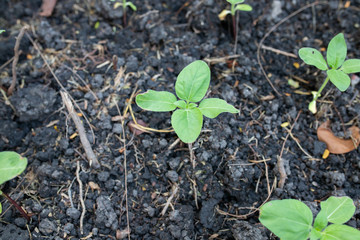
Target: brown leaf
pixel 338 145
pixel 47 8
pixel 135 128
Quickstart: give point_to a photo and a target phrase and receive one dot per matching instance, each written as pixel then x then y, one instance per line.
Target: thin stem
pixel 321 88
pixel 124 12
pixel 192 157
pixel 23 213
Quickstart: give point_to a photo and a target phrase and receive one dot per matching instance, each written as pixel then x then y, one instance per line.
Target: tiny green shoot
pixel 337 69
pixel 291 219
pixel 124 5
pixel 236 5
pixel 11 165
pixel 1 31
pixel 191 86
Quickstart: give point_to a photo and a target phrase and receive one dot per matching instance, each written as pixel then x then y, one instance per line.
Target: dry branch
pixel 93 162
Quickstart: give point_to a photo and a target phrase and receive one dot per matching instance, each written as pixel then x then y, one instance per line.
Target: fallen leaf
pixel 137 129
pixel 335 144
pixel 94 186
pixel 47 8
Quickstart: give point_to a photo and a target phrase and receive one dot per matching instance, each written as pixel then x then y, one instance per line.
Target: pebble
pixel 172 175
pixel 47 227
pixel 73 213
pixel 117 128
pixel 174 163
pixel 103 176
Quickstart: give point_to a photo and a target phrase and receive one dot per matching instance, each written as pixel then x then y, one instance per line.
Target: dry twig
pixel 80 197
pixel 280 163
pixel 175 189
pixel 16 59
pixel 93 162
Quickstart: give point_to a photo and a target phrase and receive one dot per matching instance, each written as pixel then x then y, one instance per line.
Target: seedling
pixel 11 165
pixel 191 86
pixel 291 219
pixel 124 5
pixel 236 5
pixel 1 31
pixel 339 68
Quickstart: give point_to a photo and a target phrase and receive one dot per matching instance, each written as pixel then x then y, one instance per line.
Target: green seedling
pixel 124 5
pixel 191 86
pixel 11 165
pixel 337 69
pixel 1 31
pixel 236 5
pixel 291 219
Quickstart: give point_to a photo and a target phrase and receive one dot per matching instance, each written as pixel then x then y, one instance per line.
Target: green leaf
pixel 340 79
pixel 338 210
pixel 351 66
pixel 131 5
pixel 187 124
pixel 180 104
pixel 232 2
pixel 289 219
pixel 1 31
pixel 315 234
pixel 212 107
pixel 193 81
pixel 157 101
pixel 313 57
pixel 0 208
pixel 340 232
pixel 321 220
pixel 336 51
pixel 243 7
pixel 11 165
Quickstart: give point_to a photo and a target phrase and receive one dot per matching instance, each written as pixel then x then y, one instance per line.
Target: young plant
pixel 124 5
pixel 1 31
pixel 191 86
pixel 337 69
pixel 291 219
pixel 236 5
pixel 11 165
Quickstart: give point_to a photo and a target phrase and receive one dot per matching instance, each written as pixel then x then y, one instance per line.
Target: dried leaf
pixel 121 234
pixel 338 145
pixel 137 129
pixel 47 8
pixel 94 186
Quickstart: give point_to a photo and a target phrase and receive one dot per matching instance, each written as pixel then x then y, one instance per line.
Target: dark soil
pixel 163 36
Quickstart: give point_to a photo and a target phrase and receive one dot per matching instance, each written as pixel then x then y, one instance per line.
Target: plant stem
pixel 23 213
pixel 124 12
pixel 192 157
pixel 321 88
pixel 234 25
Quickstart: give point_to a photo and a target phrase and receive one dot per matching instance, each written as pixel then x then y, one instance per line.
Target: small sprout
pixel 291 219
pixel 124 5
pixel 11 165
pixel 191 86
pixel 236 5
pixel 1 31
pixel 339 68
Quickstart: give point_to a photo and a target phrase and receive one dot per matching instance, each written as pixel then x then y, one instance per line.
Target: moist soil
pixel 146 181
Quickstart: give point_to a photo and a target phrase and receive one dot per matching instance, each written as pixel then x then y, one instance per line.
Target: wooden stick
pixel 93 162
pixel 16 59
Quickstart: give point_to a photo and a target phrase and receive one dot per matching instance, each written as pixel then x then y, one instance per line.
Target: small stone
pixel 20 222
pixel 174 163
pixel 68 228
pixel 150 211
pixel 103 176
pixel 117 128
pixel 47 227
pixel 73 213
pixel 173 176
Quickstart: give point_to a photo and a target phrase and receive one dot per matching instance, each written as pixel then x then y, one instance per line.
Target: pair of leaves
pixel 292 219
pixel 336 54
pixel 191 86
pixel 124 4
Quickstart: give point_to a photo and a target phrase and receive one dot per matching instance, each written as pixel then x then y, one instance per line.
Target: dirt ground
pixel 146 182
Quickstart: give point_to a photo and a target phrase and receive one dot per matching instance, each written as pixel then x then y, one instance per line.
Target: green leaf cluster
pixel 237 5
pixel 291 219
pixel 191 86
pixel 11 165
